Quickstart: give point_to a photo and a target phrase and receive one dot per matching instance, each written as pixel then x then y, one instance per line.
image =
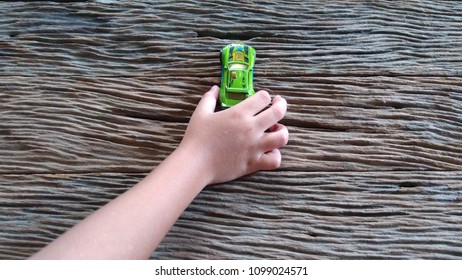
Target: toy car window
pixel 237 66
pixel 238 56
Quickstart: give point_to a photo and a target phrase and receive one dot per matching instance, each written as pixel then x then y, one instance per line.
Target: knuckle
pixel 264 96
pixel 235 114
pixel 279 141
pixel 278 111
pixel 274 160
pixel 284 138
pixel 275 163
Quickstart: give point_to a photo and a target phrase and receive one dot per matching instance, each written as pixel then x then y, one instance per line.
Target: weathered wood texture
pixel 94 95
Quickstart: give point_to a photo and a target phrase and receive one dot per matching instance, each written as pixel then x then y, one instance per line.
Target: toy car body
pixel 237 62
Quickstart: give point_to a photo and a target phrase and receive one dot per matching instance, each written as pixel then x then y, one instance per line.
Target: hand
pixel 237 141
pixel 217 147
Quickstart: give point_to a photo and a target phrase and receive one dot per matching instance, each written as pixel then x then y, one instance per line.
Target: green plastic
pixel 237 62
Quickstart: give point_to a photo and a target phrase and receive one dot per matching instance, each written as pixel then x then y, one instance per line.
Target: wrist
pixel 193 164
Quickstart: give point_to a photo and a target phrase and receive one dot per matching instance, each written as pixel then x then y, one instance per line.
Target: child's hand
pixel 217 147
pixel 239 140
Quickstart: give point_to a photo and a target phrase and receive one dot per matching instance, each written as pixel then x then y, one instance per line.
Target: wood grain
pixel 94 94
pixel 291 39
pixel 129 125
pixel 279 214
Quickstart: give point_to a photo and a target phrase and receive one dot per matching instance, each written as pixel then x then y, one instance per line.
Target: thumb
pixel 208 102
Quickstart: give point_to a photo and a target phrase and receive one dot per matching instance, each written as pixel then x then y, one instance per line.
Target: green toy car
pixel 237 61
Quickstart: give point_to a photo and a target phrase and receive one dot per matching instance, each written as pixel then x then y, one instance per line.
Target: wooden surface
pixel 94 94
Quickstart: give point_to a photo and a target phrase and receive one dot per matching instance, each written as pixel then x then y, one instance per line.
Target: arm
pixel 217 147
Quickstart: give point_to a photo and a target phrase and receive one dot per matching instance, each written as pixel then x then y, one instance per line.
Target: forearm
pixel 132 225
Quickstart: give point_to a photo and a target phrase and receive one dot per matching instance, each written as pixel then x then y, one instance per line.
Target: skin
pixel 217 147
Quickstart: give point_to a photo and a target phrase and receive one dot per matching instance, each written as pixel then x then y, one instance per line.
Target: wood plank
pixel 279 214
pixel 83 124
pixel 93 95
pixel 301 38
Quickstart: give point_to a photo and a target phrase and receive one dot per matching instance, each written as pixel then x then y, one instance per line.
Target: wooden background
pixel 94 94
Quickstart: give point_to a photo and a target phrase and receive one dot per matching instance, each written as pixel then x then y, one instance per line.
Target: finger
pixel 270 160
pixel 274 127
pixel 255 103
pixel 276 139
pixel 208 101
pixel 273 114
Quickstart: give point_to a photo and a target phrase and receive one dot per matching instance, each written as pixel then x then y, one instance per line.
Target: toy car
pixel 237 61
